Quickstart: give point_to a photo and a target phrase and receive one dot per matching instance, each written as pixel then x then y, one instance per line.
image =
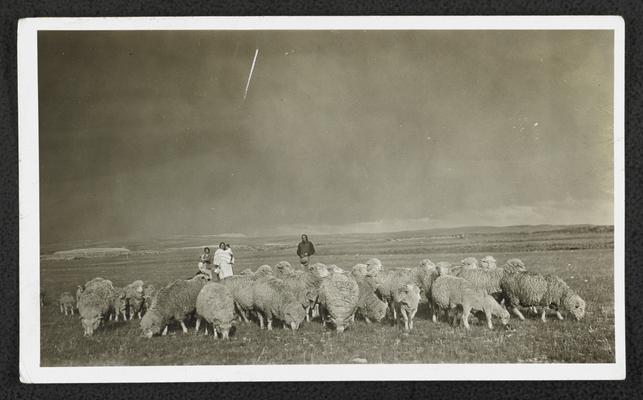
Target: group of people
pixel 220 263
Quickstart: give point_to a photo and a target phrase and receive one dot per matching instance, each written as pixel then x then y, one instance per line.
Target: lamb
pixel 79 290
pixel 118 304
pixel 451 292
pixel 94 303
pixel 338 298
pixel 135 298
pixel 272 298
pixel 66 303
pixel 406 300
pixel 216 305
pixel 175 301
pixel 533 289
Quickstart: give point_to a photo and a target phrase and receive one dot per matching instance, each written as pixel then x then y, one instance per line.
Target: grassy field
pixel 582 257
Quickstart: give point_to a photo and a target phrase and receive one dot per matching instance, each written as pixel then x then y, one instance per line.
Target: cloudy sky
pixel 148 133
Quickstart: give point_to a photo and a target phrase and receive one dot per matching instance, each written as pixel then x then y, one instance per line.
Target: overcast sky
pixel 147 133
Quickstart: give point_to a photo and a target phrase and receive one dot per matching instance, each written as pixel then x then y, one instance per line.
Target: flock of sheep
pixel 291 296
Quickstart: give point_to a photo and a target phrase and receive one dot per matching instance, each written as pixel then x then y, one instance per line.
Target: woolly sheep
pixel 118 304
pixel 272 298
pixel 533 289
pixel 216 306
pixel 391 281
pixel 469 263
pixel 369 306
pixel 488 262
pixel 94 303
pixel 450 292
pixel 240 286
pixel 373 266
pixel 359 271
pixel 135 298
pixel 489 279
pixel 66 303
pixel 338 298
pixel 406 300
pixel 282 268
pixel 175 301
pixel 305 286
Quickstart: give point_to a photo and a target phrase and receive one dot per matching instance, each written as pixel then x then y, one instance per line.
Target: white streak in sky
pixel 250 75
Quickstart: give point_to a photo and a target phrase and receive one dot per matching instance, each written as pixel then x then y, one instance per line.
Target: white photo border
pixel 29 217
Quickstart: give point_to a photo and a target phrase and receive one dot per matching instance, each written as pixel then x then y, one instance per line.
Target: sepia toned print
pixel 324 197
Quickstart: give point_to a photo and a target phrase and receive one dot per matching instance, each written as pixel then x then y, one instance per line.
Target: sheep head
pixel 294 314
pixel 90 324
pixel 575 305
pixel 151 323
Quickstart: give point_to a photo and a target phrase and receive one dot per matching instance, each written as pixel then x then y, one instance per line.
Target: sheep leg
pixel 165 331
pixel 543 316
pixel 72 310
pixel 185 328
pixel 260 320
pixel 206 328
pixel 269 318
pixel 139 315
pixel 558 315
pixel 368 321
pixel 487 313
pixel 465 316
pixel 411 319
pixel 516 311
pixel 198 324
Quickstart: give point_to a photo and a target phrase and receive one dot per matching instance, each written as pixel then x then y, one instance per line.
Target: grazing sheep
pixel 488 262
pixel 273 299
pixel 489 279
pixel 451 292
pixel 175 301
pixel 406 300
pixel 66 303
pixel 94 303
pixel 369 306
pixel 338 298
pixel 240 287
pixel 305 286
pixel 391 281
pixel 216 305
pixel 135 298
pixel 529 289
pixel 118 304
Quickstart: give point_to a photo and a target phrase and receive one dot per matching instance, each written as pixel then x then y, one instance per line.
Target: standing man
pixel 305 249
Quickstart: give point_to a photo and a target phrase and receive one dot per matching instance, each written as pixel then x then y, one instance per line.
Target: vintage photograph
pixel 218 197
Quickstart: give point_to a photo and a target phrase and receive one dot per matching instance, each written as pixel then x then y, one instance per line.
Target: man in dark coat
pixel 305 249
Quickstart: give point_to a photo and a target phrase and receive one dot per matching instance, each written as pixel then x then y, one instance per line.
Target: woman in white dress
pixel 224 259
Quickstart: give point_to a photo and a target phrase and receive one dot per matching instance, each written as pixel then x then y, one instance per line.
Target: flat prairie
pixel 580 255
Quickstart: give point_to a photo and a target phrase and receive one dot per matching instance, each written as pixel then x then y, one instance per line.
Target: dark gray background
pixel 148 133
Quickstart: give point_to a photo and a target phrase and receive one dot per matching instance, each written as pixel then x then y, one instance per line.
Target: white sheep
pixel 489 279
pixel 216 306
pixel 389 282
pixel 94 303
pixel 273 299
pixel 338 299
pixel 453 293
pixel 175 301
pixel 406 300
pixel 134 297
pixel 488 262
pixel 66 303
pixel 369 306
pixel 530 289
pixel 118 305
